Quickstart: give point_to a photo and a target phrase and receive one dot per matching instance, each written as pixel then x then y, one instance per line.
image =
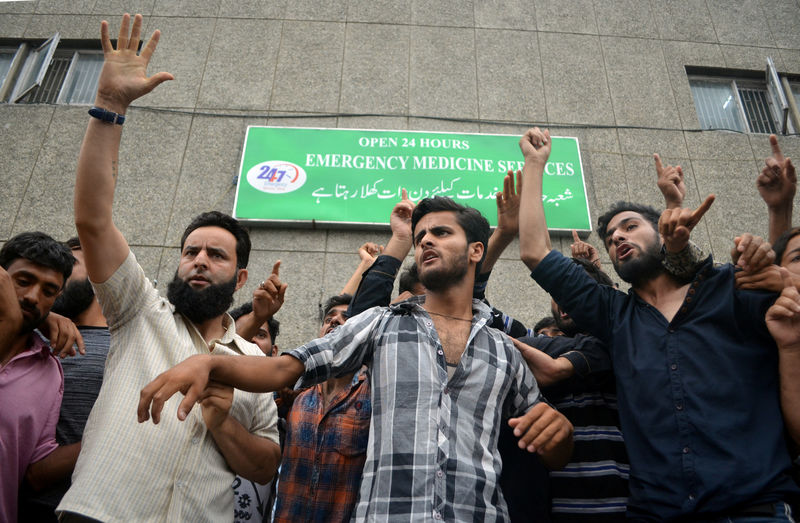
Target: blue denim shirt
pixel 698 396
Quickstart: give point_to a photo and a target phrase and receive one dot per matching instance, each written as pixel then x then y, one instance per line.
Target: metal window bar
pixel 47 92
pixel 756 109
pixel 80 84
pixel 716 105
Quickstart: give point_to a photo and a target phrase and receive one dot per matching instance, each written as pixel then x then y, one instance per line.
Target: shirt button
pixel 688 299
pixel 439 473
pixel 685 450
pixel 195 440
pixel 674 366
pixel 691 291
pixel 683 309
pixel 679 406
pixel 691 496
pixel 428 323
pixel 436 515
pixel 447 390
pixel 179 484
pixel 440 351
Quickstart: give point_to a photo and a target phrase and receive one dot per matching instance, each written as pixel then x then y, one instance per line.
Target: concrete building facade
pixel 612 73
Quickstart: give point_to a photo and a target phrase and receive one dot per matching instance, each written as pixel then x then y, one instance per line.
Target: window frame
pixel 25 74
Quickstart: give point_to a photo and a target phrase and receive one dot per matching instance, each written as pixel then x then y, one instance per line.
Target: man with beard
pixel 441 382
pixel 83 376
pixel 178 471
pixel 33 269
pixel 695 365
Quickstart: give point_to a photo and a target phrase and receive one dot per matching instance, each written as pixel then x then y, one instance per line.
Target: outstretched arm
pixel 507 220
pixel 534 240
pixel 122 80
pixel 191 377
pixel 783 322
pixel 777 184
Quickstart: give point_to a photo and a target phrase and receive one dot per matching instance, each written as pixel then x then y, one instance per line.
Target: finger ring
pixel 262 284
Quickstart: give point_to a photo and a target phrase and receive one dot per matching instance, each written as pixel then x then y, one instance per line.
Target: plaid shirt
pixel 433 441
pixel 324 454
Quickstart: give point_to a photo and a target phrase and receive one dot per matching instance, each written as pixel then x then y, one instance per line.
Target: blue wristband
pixel 106 115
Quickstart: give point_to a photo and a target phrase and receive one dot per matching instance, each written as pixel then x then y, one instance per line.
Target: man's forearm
pixel 533 236
pixel 780 221
pixel 250 456
pixel 53 468
pixel 256 373
pixel 558 457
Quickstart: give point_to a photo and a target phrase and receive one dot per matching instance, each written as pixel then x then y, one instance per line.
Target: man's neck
pixel 212 329
pixel 455 301
pixel 91 317
pixel 16 346
pixel 659 289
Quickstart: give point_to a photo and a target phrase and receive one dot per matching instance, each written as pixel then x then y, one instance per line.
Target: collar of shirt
pixel 479 309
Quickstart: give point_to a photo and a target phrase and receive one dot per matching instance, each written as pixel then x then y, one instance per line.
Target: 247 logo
pixel 276 177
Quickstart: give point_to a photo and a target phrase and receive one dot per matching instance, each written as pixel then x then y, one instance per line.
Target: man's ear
pixel 476 252
pixel 241 278
pixel 275 350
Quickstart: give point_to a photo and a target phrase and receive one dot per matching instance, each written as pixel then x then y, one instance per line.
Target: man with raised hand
pixel 696 368
pixel 178 471
pixel 441 381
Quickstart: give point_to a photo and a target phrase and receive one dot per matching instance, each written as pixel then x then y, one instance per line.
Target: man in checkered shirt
pixel 441 382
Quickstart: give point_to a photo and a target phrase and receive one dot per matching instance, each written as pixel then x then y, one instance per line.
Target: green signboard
pixel 350 176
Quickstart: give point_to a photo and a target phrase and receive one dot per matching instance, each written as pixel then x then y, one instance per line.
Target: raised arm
pixel 367 254
pixel 777 184
pixel 507 220
pixel 584 250
pixel 122 80
pixel 670 183
pixel 267 300
pixel 534 240
pixel 783 322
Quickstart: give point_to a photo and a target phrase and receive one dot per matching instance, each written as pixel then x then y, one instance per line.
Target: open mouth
pixel 624 251
pixel 427 256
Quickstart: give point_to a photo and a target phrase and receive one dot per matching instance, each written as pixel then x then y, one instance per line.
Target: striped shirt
pixel 173 471
pixel 432 450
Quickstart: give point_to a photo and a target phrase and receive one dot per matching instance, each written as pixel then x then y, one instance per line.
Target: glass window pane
pixel 759 117
pixel 82 85
pixel 37 65
pixel 6 57
pixel 715 102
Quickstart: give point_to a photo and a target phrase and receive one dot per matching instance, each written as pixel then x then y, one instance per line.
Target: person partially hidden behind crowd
pixel 441 382
pixel 83 376
pixel 178 471
pixel 547 327
pixel 33 270
pixel 327 430
pixel 681 352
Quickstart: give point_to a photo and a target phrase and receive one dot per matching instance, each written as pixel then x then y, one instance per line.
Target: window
pixel 52 72
pixel 751 101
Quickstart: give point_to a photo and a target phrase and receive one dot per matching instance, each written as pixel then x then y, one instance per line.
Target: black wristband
pixel 106 115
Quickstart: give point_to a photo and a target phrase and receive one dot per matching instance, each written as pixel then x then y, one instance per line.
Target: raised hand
pixel 783 318
pixel 777 182
pixel 369 251
pixel 535 145
pixel 752 253
pixel 670 183
pixel 675 225
pixel 269 296
pixel 400 219
pixel 508 204
pixel 584 250
pixel 124 78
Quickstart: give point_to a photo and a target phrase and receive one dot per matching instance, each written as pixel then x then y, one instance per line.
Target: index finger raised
pixel 776 148
pixel 659 166
pixel 276 268
pixel 575 236
pixel 704 207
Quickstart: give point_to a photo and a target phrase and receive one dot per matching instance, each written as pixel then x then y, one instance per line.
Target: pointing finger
pixel 276 267
pixel 659 166
pixel 704 207
pixel 776 149
pixel 575 236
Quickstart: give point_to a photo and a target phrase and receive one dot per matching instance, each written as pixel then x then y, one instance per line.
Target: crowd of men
pixel 676 401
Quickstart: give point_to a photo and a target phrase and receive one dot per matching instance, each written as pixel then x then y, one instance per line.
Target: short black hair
pixel 547 321
pixel 409 278
pixel 230 224
pixel 273 325
pixel 647 212
pixel 782 242
pixel 475 226
pixel 333 301
pixel 38 248
pixel 594 272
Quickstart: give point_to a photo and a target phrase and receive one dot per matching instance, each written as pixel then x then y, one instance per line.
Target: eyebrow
pixel 31 276
pixel 434 229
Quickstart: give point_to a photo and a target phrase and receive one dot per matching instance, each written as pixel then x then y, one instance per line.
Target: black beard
pixel 644 268
pixel 442 279
pixel 75 299
pixel 28 325
pixel 200 305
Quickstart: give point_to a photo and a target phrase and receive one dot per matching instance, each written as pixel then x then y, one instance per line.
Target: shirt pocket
pixel 354 429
